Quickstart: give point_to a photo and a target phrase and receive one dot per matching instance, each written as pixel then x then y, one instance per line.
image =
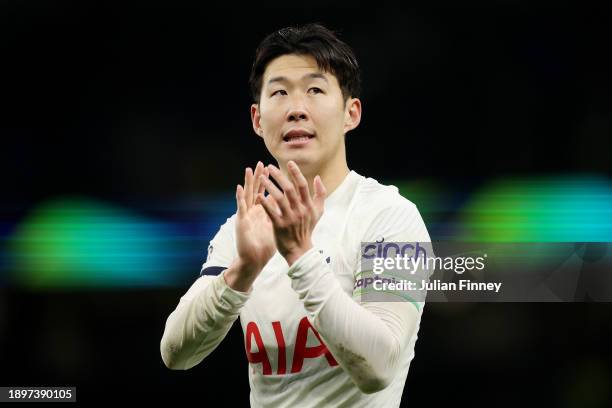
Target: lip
pixel 296 133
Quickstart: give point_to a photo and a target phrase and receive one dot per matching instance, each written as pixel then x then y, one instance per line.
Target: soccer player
pixel 288 261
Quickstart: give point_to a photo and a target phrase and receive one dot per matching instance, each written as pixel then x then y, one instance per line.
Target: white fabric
pixel 372 342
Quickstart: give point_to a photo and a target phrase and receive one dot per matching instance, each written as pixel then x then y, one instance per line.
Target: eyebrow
pixel 307 76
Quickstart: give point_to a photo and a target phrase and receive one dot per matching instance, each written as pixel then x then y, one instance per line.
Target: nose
pixel 295 115
pixel 296 111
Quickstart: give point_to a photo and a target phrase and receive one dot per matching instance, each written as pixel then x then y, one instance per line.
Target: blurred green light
pixel 81 242
pixel 539 209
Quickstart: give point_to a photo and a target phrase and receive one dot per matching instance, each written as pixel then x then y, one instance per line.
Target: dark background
pixel 149 101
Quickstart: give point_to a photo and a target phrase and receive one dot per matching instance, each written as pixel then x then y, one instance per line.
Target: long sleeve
pixel 200 322
pixel 366 338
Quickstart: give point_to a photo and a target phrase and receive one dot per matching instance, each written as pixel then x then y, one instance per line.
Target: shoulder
pixel 225 236
pixel 373 197
pixel 221 249
pixel 228 227
pixel 380 210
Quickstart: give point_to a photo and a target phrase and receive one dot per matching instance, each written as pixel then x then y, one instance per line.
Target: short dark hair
pixel 332 56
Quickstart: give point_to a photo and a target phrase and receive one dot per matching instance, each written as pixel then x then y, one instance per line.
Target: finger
pixel 288 188
pixel 248 186
pixel 319 194
pixel 256 182
pixel 274 204
pixel 262 187
pixel 240 203
pixel 278 195
pixel 271 209
pixel 300 182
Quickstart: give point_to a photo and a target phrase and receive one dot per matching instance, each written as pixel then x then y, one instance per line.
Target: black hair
pixel 332 56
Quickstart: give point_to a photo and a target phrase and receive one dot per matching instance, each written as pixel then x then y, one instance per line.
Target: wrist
pixel 241 274
pixel 293 255
pixel 246 268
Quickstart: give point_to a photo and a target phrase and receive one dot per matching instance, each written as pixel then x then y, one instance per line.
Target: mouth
pixel 298 137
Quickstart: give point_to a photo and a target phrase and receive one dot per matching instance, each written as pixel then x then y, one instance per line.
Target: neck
pixel 332 174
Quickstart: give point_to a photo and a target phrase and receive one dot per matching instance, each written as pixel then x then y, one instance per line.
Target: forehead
pixel 293 67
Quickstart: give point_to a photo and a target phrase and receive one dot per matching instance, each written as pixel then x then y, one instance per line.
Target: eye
pixel 280 90
pixel 315 90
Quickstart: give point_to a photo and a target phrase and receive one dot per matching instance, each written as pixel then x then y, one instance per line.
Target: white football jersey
pixel 291 363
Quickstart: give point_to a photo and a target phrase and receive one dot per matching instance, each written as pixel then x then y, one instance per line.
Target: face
pixel 302 115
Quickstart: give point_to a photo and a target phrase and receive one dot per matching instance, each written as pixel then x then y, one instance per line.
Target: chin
pixel 307 167
pixel 301 158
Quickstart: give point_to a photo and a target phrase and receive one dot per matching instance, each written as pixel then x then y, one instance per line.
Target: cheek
pixel 271 118
pixel 332 119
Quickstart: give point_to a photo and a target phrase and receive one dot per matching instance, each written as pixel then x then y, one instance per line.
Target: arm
pixel 200 322
pixel 207 311
pixel 366 339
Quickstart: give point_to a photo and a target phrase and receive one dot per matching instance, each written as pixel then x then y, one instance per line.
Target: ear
pixel 352 114
pixel 256 118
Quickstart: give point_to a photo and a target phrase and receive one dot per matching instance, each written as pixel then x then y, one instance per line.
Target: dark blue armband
pixel 212 270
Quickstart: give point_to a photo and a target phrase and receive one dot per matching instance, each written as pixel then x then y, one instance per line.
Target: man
pixel 287 262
